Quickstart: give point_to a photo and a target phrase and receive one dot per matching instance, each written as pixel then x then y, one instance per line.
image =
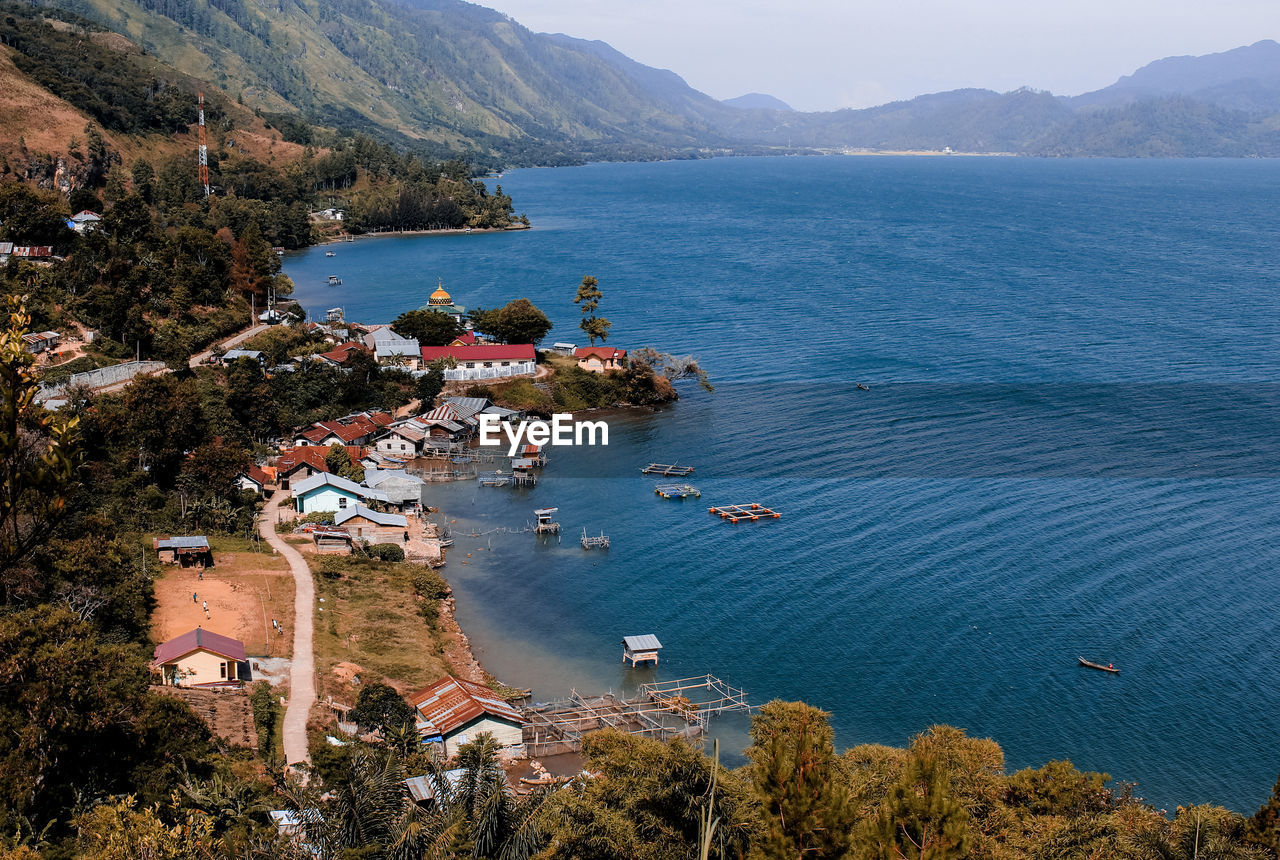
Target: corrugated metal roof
pixel 451 703
pixel 422 788
pixel 199 640
pixel 321 479
pixel 192 542
pixel 381 519
pixel 468 406
pixel 647 642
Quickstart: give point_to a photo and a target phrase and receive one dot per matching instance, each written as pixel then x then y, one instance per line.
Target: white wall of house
pixel 472 370
pixel 505 732
pixel 398 446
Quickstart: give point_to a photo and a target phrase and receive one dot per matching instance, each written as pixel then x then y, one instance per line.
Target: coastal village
pixel 359 487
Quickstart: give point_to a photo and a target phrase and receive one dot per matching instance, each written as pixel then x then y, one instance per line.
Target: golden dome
pixel 440 297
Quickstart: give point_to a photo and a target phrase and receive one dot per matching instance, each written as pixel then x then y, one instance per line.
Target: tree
pixel 429 386
pixel 428 328
pixel 807 809
pixel 588 297
pixel 144 180
pixel 379 706
pixel 519 321
pixel 339 461
pixel 673 367
pixel 37 449
pixel 919 820
pixel 1264 826
pixel 651 801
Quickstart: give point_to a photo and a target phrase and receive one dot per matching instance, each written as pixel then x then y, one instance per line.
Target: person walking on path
pixel 194 599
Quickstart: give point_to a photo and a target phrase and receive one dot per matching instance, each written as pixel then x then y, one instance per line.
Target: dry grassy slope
pixel 32 115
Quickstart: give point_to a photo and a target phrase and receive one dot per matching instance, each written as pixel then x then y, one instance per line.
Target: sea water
pixel 1066 447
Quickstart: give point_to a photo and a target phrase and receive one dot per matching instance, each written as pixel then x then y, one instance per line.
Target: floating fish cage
pixel 737 513
pixel 677 491
pixel 667 470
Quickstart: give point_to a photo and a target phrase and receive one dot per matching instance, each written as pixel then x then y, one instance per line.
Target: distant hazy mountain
pixel 757 101
pixel 459 78
pixel 1246 79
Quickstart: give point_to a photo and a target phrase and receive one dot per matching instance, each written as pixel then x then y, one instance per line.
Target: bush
pixel 265 708
pixel 387 552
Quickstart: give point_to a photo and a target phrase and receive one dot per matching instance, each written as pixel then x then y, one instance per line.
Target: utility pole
pixel 204 151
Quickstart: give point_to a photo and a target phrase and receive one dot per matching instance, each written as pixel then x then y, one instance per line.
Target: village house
pixel 325 493
pixel 186 551
pixel 355 430
pixel 299 463
pixel 404 441
pixel 42 341
pixel 84 221
pixel 254 480
pixel 599 359
pixel 200 658
pixel 233 354
pixel 390 348
pixel 405 491
pixel 453 711
pixel 340 353
pixel 375 527
pixel 329 541
pixel 485 360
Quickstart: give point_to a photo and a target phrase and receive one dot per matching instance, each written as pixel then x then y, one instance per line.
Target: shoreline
pixel 446 231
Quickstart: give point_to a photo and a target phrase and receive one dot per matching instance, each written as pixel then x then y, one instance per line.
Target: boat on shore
pixel 1089 664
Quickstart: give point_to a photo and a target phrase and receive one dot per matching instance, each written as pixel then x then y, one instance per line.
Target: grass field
pixel 369 615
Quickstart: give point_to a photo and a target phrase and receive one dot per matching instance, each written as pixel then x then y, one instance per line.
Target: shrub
pixel 387 552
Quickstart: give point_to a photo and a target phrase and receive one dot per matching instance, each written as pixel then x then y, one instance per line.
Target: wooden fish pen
pixel 738 513
pixel 667 470
pixel 593 542
pixel 506 479
pixel 677 491
pixel 662 711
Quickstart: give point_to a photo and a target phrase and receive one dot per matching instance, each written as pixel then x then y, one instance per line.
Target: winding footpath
pixel 302 672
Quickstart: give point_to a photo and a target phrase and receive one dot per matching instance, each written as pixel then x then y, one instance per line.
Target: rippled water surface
pixel 1067 448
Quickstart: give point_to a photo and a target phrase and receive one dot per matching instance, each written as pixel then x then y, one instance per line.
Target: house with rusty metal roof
pixel 456 711
pixel 201 658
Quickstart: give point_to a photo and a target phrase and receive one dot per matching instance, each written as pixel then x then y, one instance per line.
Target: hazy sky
pixel 827 54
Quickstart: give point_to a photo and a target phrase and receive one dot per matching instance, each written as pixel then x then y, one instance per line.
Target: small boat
pixel 862 387
pixel 330 254
pixel 1091 665
pixel 334 281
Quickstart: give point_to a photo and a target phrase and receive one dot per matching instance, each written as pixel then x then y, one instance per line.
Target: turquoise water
pixel 1067 448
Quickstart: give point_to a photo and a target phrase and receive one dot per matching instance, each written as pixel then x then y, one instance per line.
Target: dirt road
pixel 302 674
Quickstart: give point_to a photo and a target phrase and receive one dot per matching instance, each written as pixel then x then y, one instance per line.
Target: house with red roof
pixel 299 463
pixel 453 711
pixel 255 480
pixel 342 352
pixel 352 431
pixel 201 658
pixel 484 360
pixel 599 359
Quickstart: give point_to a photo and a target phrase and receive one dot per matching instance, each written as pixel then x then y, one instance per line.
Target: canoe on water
pixel 1101 668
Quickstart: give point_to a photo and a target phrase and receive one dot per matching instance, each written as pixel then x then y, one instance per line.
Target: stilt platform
pixel 737 513
pixel 600 542
pixel 546 526
pixel 677 491
pixel 667 470
pixel 507 479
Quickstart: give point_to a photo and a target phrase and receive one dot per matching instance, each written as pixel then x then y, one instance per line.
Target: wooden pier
pixel 677 491
pixel 588 542
pixel 663 710
pixel 670 470
pixel 737 513
pixel 546 525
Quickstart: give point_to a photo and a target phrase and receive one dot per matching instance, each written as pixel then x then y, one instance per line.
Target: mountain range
pixel 445 76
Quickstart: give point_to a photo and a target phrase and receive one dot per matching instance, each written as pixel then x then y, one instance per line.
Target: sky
pixel 830 54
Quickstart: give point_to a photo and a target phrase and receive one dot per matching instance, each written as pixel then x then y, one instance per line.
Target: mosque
pixel 441 302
